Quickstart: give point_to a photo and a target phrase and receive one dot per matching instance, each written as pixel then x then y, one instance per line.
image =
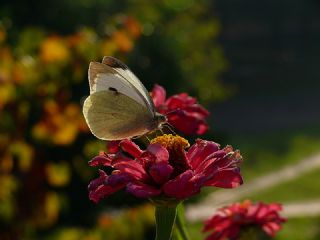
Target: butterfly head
pixel 159 119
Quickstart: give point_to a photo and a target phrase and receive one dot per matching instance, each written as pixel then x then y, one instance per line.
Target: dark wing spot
pixel 113 90
pixel 113 62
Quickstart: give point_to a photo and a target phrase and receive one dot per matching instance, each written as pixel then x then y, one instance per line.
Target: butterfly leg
pixel 147 138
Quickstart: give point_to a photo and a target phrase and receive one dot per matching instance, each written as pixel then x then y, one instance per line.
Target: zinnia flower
pixel 241 219
pixel 182 111
pixel 165 169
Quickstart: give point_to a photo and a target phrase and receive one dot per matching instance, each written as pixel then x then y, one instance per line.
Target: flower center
pixel 171 142
pixel 176 146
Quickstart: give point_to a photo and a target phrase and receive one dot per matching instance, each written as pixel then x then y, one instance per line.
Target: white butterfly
pixel 119 106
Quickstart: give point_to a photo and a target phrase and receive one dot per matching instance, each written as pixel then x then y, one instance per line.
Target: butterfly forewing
pixel 123 70
pixel 104 78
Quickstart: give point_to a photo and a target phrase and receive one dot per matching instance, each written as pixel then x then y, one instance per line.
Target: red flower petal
pixel 101 160
pixel 178 173
pixel 186 122
pixel 182 111
pixel 212 163
pixel 197 110
pixel 199 151
pixel 225 179
pixel 100 192
pixel 142 190
pixel 231 220
pixel 158 95
pixel 131 148
pixel 161 153
pixel 118 178
pixel 275 207
pixel 202 128
pixel 98 181
pixel 132 168
pixel 271 228
pixel 219 223
pixel 182 186
pixel 113 146
pixel 160 172
pixel 98 189
pixel 180 101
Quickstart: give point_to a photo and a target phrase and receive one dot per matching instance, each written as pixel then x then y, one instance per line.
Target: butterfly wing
pixel 114 74
pixel 127 74
pixel 112 115
pixel 105 78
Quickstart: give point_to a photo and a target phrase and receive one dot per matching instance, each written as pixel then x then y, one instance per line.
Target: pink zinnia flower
pixel 182 111
pixel 231 222
pixel 165 169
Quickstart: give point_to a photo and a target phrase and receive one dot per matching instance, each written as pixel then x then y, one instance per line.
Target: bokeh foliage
pixel 45 48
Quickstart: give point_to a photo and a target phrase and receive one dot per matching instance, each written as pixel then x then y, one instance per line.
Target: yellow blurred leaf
pixel 6 163
pixel 24 154
pixel 133 27
pixel 40 131
pixel 6 64
pixel 7 93
pixel 51 209
pixel 70 234
pixel 8 186
pixel 105 221
pixel 24 70
pixel 72 110
pixel 108 47
pixel 54 49
pixel 60 124
pixel 122 40
pixel 66 134
pixel 3 34
pixel 58 174
pixel 51 107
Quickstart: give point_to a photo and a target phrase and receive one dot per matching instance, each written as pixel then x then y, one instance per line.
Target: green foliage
pixel 265 152
pixel 180 40
pixel 300 228
pixel 287 192
pixel 129 224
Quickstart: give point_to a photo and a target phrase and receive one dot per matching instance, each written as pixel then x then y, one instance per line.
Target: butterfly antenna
pixel 170 127
pixel 173 111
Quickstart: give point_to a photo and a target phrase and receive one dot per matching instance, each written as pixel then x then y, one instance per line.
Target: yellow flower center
pixel 176 146
pixel 171 142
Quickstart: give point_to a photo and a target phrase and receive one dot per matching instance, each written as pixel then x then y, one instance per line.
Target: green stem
pixel 180 223
pixel 165 218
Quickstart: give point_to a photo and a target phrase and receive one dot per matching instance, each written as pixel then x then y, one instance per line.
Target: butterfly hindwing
pixel 112 115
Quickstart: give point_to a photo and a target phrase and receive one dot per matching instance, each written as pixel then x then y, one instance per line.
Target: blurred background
pixel 254 65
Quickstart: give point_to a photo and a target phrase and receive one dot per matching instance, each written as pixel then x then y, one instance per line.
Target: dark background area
pixel 273 52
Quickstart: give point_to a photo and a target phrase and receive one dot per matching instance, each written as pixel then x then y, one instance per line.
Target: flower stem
pixel 180 223
pixel 165 218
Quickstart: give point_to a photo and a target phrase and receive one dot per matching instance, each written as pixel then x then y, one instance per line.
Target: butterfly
pixel 119 106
